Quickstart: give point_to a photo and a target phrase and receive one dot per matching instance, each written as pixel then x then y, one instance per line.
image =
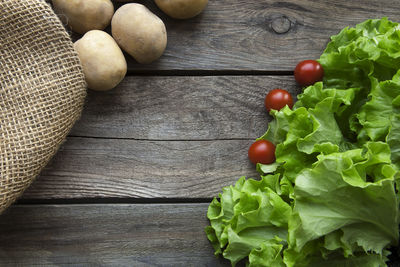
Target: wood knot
pixel 281 25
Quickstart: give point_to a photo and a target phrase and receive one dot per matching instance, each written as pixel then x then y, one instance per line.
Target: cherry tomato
pixel 277 99
pixel 308 72
pixel 262 151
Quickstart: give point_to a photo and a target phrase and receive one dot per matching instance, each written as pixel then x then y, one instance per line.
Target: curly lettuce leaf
pixel 247 215
pixel 331 198
pixel 376 115
pixel 393 139
pixel 267 254
pixel 322 196
pixel 371 49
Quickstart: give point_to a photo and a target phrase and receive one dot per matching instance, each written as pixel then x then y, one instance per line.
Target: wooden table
pixel 132 183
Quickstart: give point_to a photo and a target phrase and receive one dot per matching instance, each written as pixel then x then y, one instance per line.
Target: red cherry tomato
pixel 277 99
pixel 262 151
pixel 308 72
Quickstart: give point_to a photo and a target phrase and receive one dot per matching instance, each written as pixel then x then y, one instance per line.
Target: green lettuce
pixel 331 197
pixel 248 215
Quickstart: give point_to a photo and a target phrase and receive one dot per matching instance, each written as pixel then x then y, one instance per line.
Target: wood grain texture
pixel 106 235
pixel 110 235
pixel 181 108
pixel 173 138
pixel 265 35
pixel 161 137
pixel 116 168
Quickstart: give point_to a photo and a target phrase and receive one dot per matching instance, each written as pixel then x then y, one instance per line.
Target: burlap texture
pixel 42 90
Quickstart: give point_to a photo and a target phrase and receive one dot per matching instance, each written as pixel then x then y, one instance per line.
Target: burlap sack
pixel 42 90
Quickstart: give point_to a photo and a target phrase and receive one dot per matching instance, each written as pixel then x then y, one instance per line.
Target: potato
pixel 85 15
pixel 139 32
pixel 103 62
pixel 182 9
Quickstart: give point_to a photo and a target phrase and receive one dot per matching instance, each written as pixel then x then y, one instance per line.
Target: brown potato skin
pixel 139 32
pixel 103 62
pixel 85 15
pixel 182 9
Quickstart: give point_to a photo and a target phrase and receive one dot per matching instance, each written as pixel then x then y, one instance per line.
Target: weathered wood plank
pixel 223 113
pixel 181 108
pixel 264 35
pixel 109 235
pixel 115 168
pixel 106 235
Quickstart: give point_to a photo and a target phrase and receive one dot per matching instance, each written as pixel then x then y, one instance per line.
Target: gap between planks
pixel 162 140
pixel 200 73
pixel 110 200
